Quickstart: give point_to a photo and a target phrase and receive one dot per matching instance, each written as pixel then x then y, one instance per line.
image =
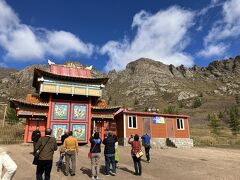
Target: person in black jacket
pixel 95 151
pixel 109 153
pixel 62 150
pixel 35 137
pixel 64 136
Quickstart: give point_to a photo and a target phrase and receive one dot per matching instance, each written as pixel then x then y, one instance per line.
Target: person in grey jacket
pixel 7 163
pixel 47 145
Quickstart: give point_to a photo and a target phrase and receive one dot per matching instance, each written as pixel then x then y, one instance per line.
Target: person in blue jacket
pixel 146 141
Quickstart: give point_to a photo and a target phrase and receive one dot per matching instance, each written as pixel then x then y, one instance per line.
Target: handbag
pixel 139 154
pixel 37 153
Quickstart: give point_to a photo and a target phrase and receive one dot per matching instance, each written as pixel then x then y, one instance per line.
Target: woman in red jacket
pixel 136 147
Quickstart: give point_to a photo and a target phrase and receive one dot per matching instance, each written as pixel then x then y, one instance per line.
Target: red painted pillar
pixel 49 111
pixel 102 129
pixel 26 131
pixel 89 119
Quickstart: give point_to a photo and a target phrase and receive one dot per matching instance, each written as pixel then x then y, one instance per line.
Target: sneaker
pixel 148 161
pixel 93 177
pixel 97 177
pixel 107 175
pixel 114 174
pixel 73 174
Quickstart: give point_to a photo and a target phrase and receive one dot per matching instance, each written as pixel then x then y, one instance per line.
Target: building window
pixel 180 124
pixel 132 122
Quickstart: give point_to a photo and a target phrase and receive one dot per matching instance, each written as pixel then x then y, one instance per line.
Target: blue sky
pixel 110 34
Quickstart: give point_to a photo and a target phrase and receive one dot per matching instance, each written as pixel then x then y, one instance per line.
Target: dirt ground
pixel 166 164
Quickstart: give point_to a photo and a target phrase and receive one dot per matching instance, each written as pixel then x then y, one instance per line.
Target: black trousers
pixel 137 165
pixel 34 144
pixel 147 149
pixel 44 166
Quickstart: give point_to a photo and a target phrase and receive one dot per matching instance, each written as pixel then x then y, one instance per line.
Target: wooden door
pixel 146 127
pixel 32 127
pixel 170 130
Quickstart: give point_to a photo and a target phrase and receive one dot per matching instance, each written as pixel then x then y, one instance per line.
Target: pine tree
pixel 11 116
pixel 197 102
pixel 234 120
pixel 214 123
pixel 170 110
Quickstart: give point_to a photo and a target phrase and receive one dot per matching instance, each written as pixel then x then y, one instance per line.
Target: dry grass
pixel 202 136
pixel 11 133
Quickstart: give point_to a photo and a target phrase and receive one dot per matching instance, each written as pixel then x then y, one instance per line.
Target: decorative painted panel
pixel 80 91
pixel 60 111
pixel 79 112
pixel 58 130
pixel 65 89
pixel 48 88
pixel 94 92
pixel 79 131
pixel 103 115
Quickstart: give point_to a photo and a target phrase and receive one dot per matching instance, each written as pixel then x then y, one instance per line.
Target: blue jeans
pixel 110 158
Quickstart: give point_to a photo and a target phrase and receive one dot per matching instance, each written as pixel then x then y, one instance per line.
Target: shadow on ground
pixel 126 170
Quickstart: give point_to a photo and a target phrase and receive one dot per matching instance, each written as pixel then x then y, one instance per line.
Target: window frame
pixel 131 116
pixel 180 120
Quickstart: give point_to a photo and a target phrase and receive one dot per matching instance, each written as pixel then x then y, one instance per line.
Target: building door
pixel 170 131
pixel 33 125
pixel 146 126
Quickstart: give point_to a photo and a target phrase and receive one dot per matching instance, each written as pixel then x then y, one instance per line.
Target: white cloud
pixel 66 42
pixel 213 4
pixel 226 27
pixel 161 36
pixel 213 50
pixel 26 43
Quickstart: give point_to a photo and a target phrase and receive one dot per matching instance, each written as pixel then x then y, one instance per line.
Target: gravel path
pixel 166 164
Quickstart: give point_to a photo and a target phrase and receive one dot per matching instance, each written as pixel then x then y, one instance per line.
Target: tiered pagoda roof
pixel 40 73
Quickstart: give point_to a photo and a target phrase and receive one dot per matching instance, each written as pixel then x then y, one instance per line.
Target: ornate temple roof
pixel 102 106
pixel 16 102
pixel 40 73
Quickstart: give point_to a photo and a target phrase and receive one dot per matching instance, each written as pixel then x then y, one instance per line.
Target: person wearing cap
pixel 109 153
pixel 71 146
pixel 7 163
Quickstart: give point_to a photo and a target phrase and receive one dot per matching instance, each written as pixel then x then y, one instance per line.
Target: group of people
pixel 69 150
pixel 112 155
pixel 47 145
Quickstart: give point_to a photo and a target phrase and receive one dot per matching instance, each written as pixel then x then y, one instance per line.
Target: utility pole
pixel 5 113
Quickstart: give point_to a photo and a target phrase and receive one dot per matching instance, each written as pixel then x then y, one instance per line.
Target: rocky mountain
pixel 6 71
pixel 19 84
pixel 146 83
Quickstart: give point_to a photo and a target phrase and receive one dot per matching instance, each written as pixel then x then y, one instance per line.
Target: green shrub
pixel 234 119
pixel 170 110
pixel 214 123
pixel 197 102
